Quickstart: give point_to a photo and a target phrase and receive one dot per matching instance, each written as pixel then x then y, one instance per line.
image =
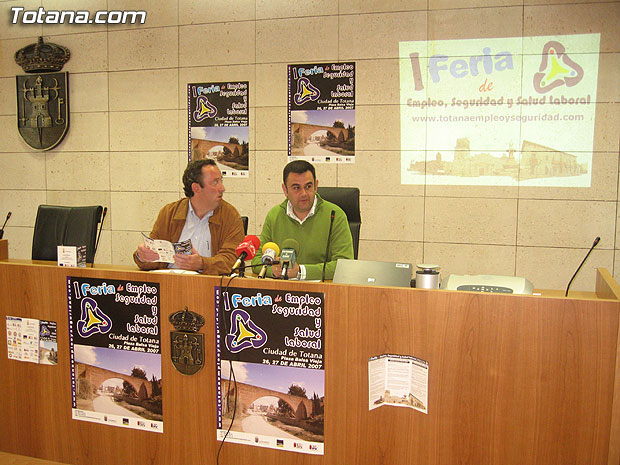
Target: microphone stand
pixel 105 211
pixel 596 241
pixel 329 236
pixel 5 221
pixel 284 275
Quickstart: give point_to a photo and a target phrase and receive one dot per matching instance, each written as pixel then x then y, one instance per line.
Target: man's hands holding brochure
pixel 182 254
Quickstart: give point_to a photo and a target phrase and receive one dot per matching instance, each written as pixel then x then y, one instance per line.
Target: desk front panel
pixel 512 379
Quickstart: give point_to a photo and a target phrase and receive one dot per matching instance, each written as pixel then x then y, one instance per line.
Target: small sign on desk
pixel 71 255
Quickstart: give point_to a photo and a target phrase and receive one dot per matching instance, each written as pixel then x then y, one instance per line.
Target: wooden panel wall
pixel 512 380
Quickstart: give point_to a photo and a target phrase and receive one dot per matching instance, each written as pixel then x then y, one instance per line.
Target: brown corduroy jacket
pixel 226 233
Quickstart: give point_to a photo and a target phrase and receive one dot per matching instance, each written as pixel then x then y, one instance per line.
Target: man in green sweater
pixel 306 217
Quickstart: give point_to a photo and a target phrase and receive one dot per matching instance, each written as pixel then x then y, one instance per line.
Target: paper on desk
pixel 166 249
pixel 174 271
pixel 398 380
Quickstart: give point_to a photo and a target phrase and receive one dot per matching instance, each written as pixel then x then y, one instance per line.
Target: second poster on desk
pixel 270 368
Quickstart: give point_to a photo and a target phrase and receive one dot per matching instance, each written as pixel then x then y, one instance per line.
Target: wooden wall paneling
pixel 606 286
pixel 4 249
pixel 338 366
pixel 574 382
pixel 512 379
pixel 482 351
pixel 39 393
pixel 189 401
pixel 380 321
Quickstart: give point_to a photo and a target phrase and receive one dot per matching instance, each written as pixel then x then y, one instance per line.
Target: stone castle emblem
pixel 186 343
pixel 43 94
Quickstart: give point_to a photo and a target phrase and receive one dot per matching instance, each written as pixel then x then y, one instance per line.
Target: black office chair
pixel 347 198
pixel 245 220
pixel 57 225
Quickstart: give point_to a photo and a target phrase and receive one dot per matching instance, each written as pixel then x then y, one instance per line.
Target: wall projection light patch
pixel 499 112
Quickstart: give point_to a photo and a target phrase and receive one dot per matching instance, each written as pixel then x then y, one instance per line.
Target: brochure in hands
pixel 166 249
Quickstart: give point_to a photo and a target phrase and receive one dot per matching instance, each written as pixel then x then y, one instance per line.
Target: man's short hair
pixel 298 167
pixel 193 173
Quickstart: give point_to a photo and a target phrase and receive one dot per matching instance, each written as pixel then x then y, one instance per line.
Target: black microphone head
pixel 103 214
pixel 596 241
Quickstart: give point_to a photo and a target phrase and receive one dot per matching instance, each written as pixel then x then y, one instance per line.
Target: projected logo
pixel 556 69
pixel 92 319
pixel 204 109
pixel 244 333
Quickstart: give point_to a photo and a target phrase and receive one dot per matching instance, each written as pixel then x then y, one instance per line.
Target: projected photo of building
pixel 535 161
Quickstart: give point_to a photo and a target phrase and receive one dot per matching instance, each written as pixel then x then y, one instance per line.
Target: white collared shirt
pixel 290 212
pixel 197 229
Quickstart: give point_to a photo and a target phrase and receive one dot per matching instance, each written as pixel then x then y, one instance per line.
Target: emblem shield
pixel 187 348
pixel 43 108
pixel 187 351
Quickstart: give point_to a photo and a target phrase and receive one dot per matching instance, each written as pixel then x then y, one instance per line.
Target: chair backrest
pixel 245 220
pixel 58 225
pixel 347 198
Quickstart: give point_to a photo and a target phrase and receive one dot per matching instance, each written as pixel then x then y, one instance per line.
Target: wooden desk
pixel 4 249
pixel 512 379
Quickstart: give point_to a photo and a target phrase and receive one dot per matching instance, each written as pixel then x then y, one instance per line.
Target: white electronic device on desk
pixel 488 283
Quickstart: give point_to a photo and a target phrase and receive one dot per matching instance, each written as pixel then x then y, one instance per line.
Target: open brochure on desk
pixel 398 380
pixel 166 249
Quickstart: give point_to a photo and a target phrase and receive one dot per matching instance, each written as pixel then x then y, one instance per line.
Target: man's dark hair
pixel 193 173
pixel 298 167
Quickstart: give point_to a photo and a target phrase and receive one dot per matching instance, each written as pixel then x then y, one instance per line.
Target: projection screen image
pixel 499 112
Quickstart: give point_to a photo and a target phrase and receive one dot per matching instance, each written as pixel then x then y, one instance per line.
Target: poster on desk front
pixel 115 351
pixel 270 368
pixel 219 125
pixel 321 112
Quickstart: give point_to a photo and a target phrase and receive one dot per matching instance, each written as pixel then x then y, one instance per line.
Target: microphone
pixel 329 236
pixel 246 250
pixel 7 219
pixel 596 241
pixel 105 211
pixel 290 249
pixel 270 252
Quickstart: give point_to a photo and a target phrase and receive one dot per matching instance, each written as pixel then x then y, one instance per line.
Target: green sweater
pixel 312 237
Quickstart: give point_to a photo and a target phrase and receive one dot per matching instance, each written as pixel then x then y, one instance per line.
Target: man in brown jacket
pixel 213 225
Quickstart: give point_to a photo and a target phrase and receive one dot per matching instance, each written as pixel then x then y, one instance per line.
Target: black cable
pixel 596 241
pixel 232 377
pixel 275 262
